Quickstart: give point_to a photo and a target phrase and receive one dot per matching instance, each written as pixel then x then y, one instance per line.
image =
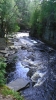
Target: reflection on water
pixel 16 71
pixel 21 71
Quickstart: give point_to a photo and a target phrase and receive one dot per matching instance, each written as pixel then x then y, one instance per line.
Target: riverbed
pixel 34 61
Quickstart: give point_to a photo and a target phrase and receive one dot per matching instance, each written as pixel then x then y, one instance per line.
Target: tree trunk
pixel 2 33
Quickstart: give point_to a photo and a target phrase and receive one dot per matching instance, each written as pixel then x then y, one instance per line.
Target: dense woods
pixel 37 15
pixel 43 24
pixel 13 13
pixel 24 14
pixel 8 17
pixel 31 61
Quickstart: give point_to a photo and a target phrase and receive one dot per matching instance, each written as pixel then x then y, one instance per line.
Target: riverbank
pixel 6 50
pixel 48 43
pixel 7 94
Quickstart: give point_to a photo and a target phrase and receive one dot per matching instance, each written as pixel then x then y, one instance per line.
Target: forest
pixel 37 16
pixel 28 49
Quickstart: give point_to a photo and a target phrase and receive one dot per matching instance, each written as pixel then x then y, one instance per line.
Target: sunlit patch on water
pixel 26 42
pixel 33 41
pixel 21 71
pixel 20 34
pixel 17 72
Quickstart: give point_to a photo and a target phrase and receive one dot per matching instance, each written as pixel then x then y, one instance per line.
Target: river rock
pixel 2 43
pixel 23 47
pixel 18 84
pixel 13 47
pixel 1 55
pixel 3 51
pixel 6 55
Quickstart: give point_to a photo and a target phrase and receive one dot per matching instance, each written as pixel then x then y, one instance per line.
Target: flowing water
pixel 35 61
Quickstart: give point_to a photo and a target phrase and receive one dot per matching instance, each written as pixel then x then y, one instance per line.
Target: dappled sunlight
pixel 20 34
pixel 27 42
pixel 21 72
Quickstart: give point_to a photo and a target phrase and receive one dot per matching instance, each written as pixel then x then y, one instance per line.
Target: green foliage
pixel 8 17
pixel 24 15
pixel 43 15
pixel 2 71
pixel 6 91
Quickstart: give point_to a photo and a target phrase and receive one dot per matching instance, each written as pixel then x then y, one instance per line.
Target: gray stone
pixel 6 55
pixel 18 84
pixel 12 47
pixel 2 43
pixel 3 51
pixel 1 55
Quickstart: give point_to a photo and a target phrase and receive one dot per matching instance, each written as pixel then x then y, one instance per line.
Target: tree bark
pixel 2 33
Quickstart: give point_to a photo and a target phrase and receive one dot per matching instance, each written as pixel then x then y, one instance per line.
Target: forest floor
pixel 9 97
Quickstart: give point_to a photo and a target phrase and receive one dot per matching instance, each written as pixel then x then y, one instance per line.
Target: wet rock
pixel 12 58
pixel 2 43
pixel 50 51
pixel 31 57
pixel 18 84
pixel 1 55
pixel 3 51
pixel 32 63
pixel 9 53
pixel 29 49
pixel 42 50
pixel 30 73
pixel 6 55
pixel 39 77
pixel 13 47
pixel 7 49
pixel 23 47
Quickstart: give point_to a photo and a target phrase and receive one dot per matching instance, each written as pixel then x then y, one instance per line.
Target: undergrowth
pixel 2 71
pixel 5 91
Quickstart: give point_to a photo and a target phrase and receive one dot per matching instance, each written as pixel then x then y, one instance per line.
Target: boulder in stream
pixel 18 84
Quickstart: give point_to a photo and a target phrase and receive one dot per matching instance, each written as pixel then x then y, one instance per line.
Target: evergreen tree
pixel 24 16
pixel 8 17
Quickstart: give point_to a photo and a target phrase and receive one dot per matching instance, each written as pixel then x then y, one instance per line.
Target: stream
pixel 36 62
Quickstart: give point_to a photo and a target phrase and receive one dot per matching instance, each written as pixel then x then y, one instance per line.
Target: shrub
pixel 2 71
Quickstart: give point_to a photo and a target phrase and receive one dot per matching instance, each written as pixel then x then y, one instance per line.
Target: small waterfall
pixel 39 77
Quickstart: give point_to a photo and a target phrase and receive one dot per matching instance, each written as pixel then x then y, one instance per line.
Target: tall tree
pixel 24 16
pixel 8 17
pixel 48 10
pixel 35 18
pixel 44 14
